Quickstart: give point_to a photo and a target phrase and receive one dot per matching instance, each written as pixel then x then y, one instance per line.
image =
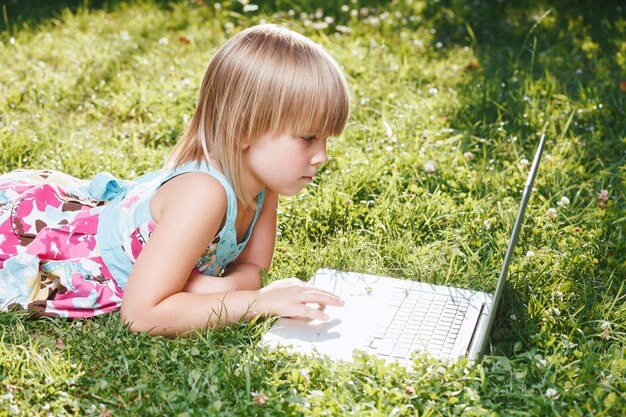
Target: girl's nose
pixel 320 157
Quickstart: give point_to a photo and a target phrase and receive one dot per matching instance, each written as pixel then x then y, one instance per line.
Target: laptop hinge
pixel 480 323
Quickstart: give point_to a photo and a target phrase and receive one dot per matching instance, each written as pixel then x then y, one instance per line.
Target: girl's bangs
pixel 318 103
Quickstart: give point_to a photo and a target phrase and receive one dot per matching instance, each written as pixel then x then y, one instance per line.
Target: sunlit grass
pixel 448 98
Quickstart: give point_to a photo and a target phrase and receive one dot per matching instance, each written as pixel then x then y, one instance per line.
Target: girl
pixel 268 102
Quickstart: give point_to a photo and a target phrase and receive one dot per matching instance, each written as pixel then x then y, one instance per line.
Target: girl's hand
pixel 291 298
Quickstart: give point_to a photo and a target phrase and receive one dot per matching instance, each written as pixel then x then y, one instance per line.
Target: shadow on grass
pixel 519 40
pixel 536 61
pixel 17 13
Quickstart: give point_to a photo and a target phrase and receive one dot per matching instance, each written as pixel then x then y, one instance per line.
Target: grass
pixel 87 87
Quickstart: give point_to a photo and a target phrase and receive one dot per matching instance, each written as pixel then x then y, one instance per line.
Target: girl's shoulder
pixel 194 188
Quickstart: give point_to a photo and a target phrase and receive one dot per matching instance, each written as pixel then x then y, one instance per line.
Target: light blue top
pixel 127 215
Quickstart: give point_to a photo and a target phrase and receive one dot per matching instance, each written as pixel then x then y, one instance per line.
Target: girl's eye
pixel 308 138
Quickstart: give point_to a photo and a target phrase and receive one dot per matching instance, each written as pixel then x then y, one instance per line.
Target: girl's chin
pixel 292 191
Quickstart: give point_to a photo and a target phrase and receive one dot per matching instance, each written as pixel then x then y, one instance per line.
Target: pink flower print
pixel 9 242
pixel 85 288
pixel 137 242
pixel 64 242
pixel 47 195
pixel 46 246
pixel 23 209
pixel 85 222
pixel 130 200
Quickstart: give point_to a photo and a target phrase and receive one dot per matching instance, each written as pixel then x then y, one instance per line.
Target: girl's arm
pixel 243 273
pixel 190 212
pixel 259 250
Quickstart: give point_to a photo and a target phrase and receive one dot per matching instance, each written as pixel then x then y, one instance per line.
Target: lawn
pixel 448 99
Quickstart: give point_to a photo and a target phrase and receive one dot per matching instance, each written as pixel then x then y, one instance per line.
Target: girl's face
pixel 284 163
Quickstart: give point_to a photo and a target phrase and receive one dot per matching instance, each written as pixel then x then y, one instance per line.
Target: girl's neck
pixel 253 185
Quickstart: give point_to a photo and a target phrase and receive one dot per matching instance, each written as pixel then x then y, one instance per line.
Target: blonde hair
pixel 265 80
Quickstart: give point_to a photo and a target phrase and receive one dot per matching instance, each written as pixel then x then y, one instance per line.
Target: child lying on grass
pixel 269 100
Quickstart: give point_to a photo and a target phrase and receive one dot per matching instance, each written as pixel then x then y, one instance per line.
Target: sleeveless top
pixel 126 223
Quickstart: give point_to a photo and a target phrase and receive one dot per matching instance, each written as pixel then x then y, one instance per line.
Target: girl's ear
pixel 245 144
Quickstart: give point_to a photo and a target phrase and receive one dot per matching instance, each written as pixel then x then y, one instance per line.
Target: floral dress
pixel 67 245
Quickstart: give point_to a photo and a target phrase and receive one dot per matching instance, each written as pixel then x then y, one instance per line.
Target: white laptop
pixel 393 318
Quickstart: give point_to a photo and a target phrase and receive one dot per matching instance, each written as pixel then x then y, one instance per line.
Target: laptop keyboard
pixel 417 321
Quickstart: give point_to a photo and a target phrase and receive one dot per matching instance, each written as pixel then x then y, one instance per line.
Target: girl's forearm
pixel 245 276
pixel 239 277
pixel 184 311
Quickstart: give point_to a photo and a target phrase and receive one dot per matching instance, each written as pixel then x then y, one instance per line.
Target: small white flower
pixel 433 91
pixel 559 295
pixel 306 375
pixel 487 224
pixel 320 25
pixel 524 163
pixel 163 41
pixel 551 213
pixel 259 398
pixel 603 195
pixel 564 202
pixel 606 330
pixel 552 393
pixel 125 36
pixel 429 167
pixel 343 29
pixel 553 312
pixel 530 254
pixel 250 8
pixel 388 129
pixel 13 409
pixel 468 155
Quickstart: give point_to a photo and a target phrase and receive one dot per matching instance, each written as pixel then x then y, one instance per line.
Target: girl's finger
pixel 321 297
pixel 313 313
